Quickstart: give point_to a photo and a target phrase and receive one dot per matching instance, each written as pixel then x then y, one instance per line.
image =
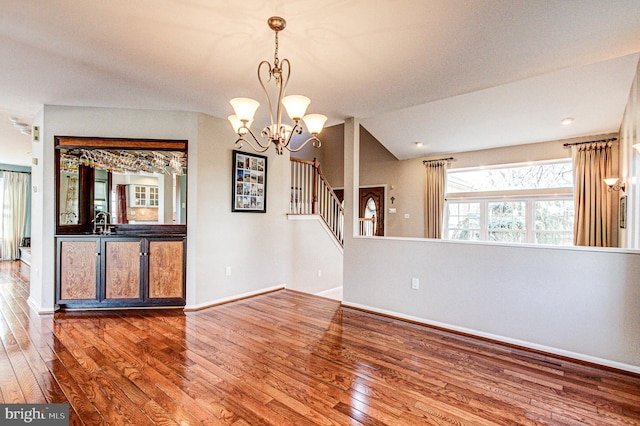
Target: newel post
pixel 316 169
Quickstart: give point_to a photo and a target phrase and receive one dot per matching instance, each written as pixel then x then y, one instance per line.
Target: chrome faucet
pixel 101 223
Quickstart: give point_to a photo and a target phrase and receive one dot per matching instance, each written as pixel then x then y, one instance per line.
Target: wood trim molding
pixel 119 143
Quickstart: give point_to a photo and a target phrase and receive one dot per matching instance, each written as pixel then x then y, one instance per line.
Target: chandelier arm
pixel 264 88
pixel 296 129
pixel 316 143
pixel 242 138
pixel 238 145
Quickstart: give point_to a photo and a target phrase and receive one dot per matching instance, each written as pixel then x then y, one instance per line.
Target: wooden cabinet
pixel 78 268
pixel 120 271
pixel 166 271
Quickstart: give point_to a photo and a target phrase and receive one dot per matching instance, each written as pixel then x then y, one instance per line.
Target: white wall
pixel 577 302
pixel 317 256
pixel 256 246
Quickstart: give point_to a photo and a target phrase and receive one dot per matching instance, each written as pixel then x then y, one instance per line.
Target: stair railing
pixel 312 194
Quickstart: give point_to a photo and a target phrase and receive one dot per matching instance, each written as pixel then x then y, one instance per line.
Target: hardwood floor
pixel 287 358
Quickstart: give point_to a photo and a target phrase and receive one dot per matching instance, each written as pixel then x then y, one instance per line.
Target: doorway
pixel 370 209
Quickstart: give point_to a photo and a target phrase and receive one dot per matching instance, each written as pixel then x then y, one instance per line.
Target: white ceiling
pixel 458 75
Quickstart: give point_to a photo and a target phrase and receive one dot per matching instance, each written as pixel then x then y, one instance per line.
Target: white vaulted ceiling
pixel 457 75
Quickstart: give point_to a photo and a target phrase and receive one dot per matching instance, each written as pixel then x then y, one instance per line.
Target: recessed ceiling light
pixel 566 121
pixel 419 144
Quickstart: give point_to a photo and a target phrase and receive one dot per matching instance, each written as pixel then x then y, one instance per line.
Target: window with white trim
pixel 522 203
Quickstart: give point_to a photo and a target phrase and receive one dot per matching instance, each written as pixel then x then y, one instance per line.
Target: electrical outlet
pixel 415 283
pixel 319 272
pixel 227 271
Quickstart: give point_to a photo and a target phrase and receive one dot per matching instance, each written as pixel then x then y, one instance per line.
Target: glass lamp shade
pixel 244 108
pixel 637 147
pixel 237 124
pixel 611 181
pixel 314 122
pixel 296 106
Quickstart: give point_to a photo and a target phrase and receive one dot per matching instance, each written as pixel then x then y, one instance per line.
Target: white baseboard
pixel 508 340
pixel 331 290
pixel 36 307
pixel 200 306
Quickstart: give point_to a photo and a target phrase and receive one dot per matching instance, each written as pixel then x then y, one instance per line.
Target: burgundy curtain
pixel 121 194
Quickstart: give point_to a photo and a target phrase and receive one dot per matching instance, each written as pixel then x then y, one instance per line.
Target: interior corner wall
pixel 255 246
pixel 317 259
pixel 629 172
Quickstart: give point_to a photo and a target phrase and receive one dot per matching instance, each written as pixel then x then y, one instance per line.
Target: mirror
pixel 69 191
pixel 127 186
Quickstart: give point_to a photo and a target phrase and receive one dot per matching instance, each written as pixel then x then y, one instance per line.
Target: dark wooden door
pixel 374 195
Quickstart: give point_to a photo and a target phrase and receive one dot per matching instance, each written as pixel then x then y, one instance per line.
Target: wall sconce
pixel 636 146
pixel 614 184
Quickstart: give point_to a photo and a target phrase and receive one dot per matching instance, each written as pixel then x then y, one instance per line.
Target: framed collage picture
pixel 249 192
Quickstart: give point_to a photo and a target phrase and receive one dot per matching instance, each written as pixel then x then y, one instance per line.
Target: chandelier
pixel 277 133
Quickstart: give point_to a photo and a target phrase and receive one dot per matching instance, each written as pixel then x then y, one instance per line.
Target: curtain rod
pixel 566 145
pixel 438 159
pixel 13 171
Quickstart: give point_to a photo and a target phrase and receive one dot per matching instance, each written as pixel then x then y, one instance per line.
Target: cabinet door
pixel 78 262
pixel 153 196
pixel 166 269
pixel 137 196
pixel 121 268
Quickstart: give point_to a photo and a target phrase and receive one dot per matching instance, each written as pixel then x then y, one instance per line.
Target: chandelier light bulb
pixel 237 124
pixel 296 106
pixel 245 108
pixel 314 122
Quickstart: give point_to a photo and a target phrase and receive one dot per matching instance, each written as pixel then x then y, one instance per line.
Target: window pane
pixel 554 215
pixel 507 215
pixel 552 175
pixel 464 221
pixel 554 222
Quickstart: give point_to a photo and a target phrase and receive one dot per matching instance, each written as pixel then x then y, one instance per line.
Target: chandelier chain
pixel 276 72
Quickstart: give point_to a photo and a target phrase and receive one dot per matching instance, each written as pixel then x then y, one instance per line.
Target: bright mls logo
pixel 34 414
